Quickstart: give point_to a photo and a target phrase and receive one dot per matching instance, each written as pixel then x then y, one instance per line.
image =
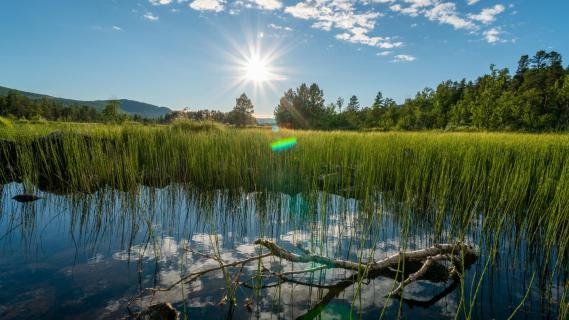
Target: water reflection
pixel 86 256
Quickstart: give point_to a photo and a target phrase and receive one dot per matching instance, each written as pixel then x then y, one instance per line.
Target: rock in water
pixel 26 198
pixel 161 311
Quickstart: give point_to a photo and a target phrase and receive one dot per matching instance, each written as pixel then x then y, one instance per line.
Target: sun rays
pixel 254 66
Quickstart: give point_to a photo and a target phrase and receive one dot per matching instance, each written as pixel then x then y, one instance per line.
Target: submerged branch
pixel 421 265
pixel 440 251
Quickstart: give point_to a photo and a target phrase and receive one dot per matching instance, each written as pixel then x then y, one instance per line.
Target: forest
pixel 534 98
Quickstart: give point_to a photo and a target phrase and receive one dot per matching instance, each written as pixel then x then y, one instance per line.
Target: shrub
pixel 5 123
pixel 196 126
pixel 37 119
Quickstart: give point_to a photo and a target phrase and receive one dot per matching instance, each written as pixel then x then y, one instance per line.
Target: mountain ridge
pixel 131 107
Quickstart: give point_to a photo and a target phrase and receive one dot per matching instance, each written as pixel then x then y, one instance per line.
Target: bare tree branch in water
pixel 419 264
pixel 441 251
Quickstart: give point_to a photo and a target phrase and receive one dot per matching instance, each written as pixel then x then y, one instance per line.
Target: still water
pixel 87 256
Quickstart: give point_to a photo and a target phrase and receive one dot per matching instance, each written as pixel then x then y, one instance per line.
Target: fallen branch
pixel 419 264
pixel 428 257
pixel 414 276
pixel 442 251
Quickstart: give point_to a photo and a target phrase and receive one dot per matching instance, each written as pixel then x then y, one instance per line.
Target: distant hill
pixel 266 121
pixel 128 106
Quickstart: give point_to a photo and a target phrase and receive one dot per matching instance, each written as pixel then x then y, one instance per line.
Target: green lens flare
pixel 283 144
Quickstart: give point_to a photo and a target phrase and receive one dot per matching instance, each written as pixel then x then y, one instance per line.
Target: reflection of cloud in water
pixel 292 299
pixel 98 258
pixel 334 233
pixel 164 249
pixel 104 278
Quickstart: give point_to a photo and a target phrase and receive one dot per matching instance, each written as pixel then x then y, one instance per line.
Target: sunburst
pixel 255 65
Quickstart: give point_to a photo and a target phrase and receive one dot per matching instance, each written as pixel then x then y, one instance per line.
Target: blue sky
pixel 190 53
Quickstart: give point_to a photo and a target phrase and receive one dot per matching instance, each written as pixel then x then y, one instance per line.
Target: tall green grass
pixel 520 180
pixel 5 123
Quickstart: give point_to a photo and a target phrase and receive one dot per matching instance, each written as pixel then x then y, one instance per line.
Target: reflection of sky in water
pixel 61 258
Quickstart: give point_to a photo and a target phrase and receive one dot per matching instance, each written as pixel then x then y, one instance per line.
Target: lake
pixel 89 256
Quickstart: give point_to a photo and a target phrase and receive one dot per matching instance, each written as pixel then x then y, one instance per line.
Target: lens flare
pixel 283 144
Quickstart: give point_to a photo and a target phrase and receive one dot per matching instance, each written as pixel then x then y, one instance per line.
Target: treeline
pixel 17 106
pixel 241 115
pixel 534 98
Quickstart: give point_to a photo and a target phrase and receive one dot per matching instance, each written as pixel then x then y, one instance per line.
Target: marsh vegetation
pixel 178 199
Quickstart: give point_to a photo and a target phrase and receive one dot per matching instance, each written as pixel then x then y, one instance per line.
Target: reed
pixel 516 180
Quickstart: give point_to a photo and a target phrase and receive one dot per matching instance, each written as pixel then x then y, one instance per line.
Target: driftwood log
pixel 438 263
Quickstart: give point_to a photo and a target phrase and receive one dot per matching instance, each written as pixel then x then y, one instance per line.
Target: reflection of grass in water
pixel 225 211
pixel 516 184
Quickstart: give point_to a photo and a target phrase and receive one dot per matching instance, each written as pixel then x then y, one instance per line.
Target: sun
pixel 257 70
pixel 255 66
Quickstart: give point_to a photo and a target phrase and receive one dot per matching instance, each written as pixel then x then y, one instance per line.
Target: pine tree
pixel 242 113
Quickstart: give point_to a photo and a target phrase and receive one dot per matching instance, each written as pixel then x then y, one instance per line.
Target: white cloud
pixel 150 16
pixel 416 7
pixel 164 2
pixel 324 25
pixel 359 36
pixel 117 28
pixel 354 22
pixel 277 27
pixel 268 4
pixel 160 2
pixel 208 5
pixel 410 11
pixel 434 10
pixel 422 3
pixel 403 58
pixel 446 13
pixel 383 53
pixel 303 11
pixel 488 15
pixel 494 36
pixel 342 15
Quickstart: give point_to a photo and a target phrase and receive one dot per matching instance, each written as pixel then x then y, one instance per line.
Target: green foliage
pixel 5 123
pixel 135 108
pixel 242 113
pixel 37 119
pixel 112 112
pixel 19 106
pixel 303 108
pixel 199 115
pixel 536 98
pixel 196 126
